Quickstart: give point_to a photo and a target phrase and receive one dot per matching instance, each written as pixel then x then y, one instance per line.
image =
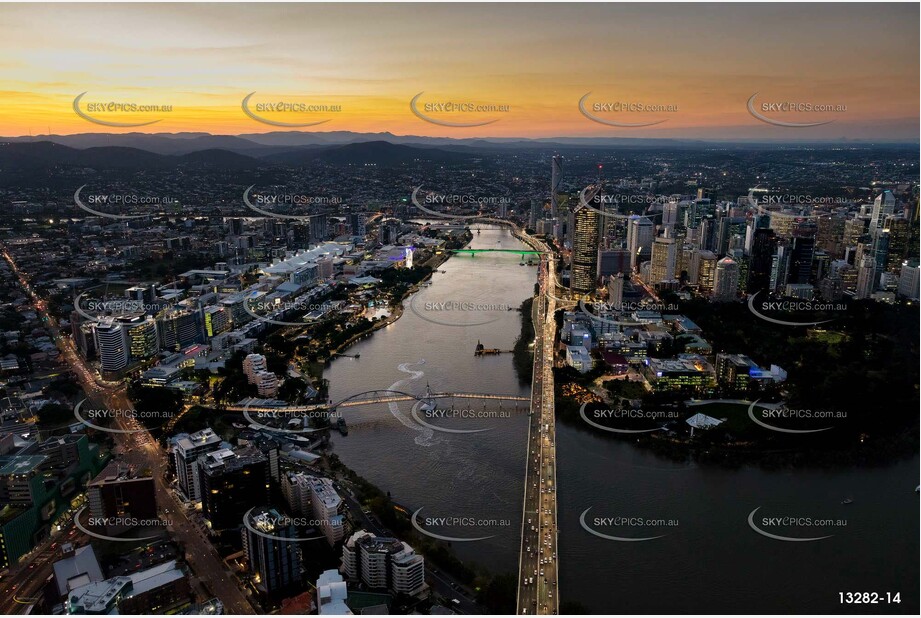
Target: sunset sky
pixel 537 59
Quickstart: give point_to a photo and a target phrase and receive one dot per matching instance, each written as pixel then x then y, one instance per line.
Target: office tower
pixel 112 344
pixel 706 241
pixel 664 257
pixel 382 563
pixel 357 224
pixel 909 280
pixel 830 231
pixel 726 280
pixel 854 229
pixel 235 226
pixel 274 562
pixel 728 228
pixel 866 277
pixel 226 475
pixel 640 233
pixel 318 228
pixel 883 206
pixel 616 291
pixel 390 232
pixel 880 249
pixel 899 230
pixel 186 449
pixel 556 179
pixel 118 499
pixel 217 320
pixel 697 211
pixel 706 270
pixel 780 267
pixel 803 250
pixel 613 261
pixel 143 341
pixel 670 213
pixel 534 214
pixel 584 250
pixel 178 328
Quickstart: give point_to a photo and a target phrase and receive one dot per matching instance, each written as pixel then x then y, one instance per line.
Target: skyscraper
pixel 726 281
pixel 584 250
pixel 556 179
pixel 664 256
pixel 274 561
pixel 883 206
pixel 639 239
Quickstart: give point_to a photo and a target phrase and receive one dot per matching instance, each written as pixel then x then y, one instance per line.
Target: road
pixel 538 589
pixel 142 451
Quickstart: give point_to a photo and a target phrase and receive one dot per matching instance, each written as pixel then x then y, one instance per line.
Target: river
pixel 706 558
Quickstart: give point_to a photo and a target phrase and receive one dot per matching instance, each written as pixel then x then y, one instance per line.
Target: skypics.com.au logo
pixel 92 202
pixel 782 419
pixel 772 112
pixel 627 420
pixel 122 523
pixel 103 112
pixel 794 528
pixel 260 202
pixel 447 113
pixel 460 202
pixel 279 527
pixel 456 524
pixel 605 112
pixel 628 528
pixel 287 108
pixel 457 312
pixel 463 414
pixel 113 420
pixel 607 205
pixel 793 308
pixel 270 311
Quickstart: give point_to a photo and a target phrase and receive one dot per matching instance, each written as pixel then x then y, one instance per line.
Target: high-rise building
pixel 909 280
pixel 866 277
pixel 706 270
pixel 640 232
pixel 616 291
pixel 142 336
pixel 780 267
pixel 382 563
pixel 178 328
pixel 533 214
pixel 112 344
pixel 318 228
pixel 274 561
pixel 664 257
pixel 226 475
pixel 612 262
pixel 726 280
pixel 764 245
pixel 584 250
pixel 186 449
pixel 883 206
pixel 119 500
pixel 899 231
pixel 217 320
pixel 556 180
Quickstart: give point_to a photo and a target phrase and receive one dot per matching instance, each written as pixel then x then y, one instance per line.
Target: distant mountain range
pixel 34 156
pixel 135 151
pixel 262 144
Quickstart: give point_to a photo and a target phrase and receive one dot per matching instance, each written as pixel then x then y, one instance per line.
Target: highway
pixel 538 589
pixel 143 452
